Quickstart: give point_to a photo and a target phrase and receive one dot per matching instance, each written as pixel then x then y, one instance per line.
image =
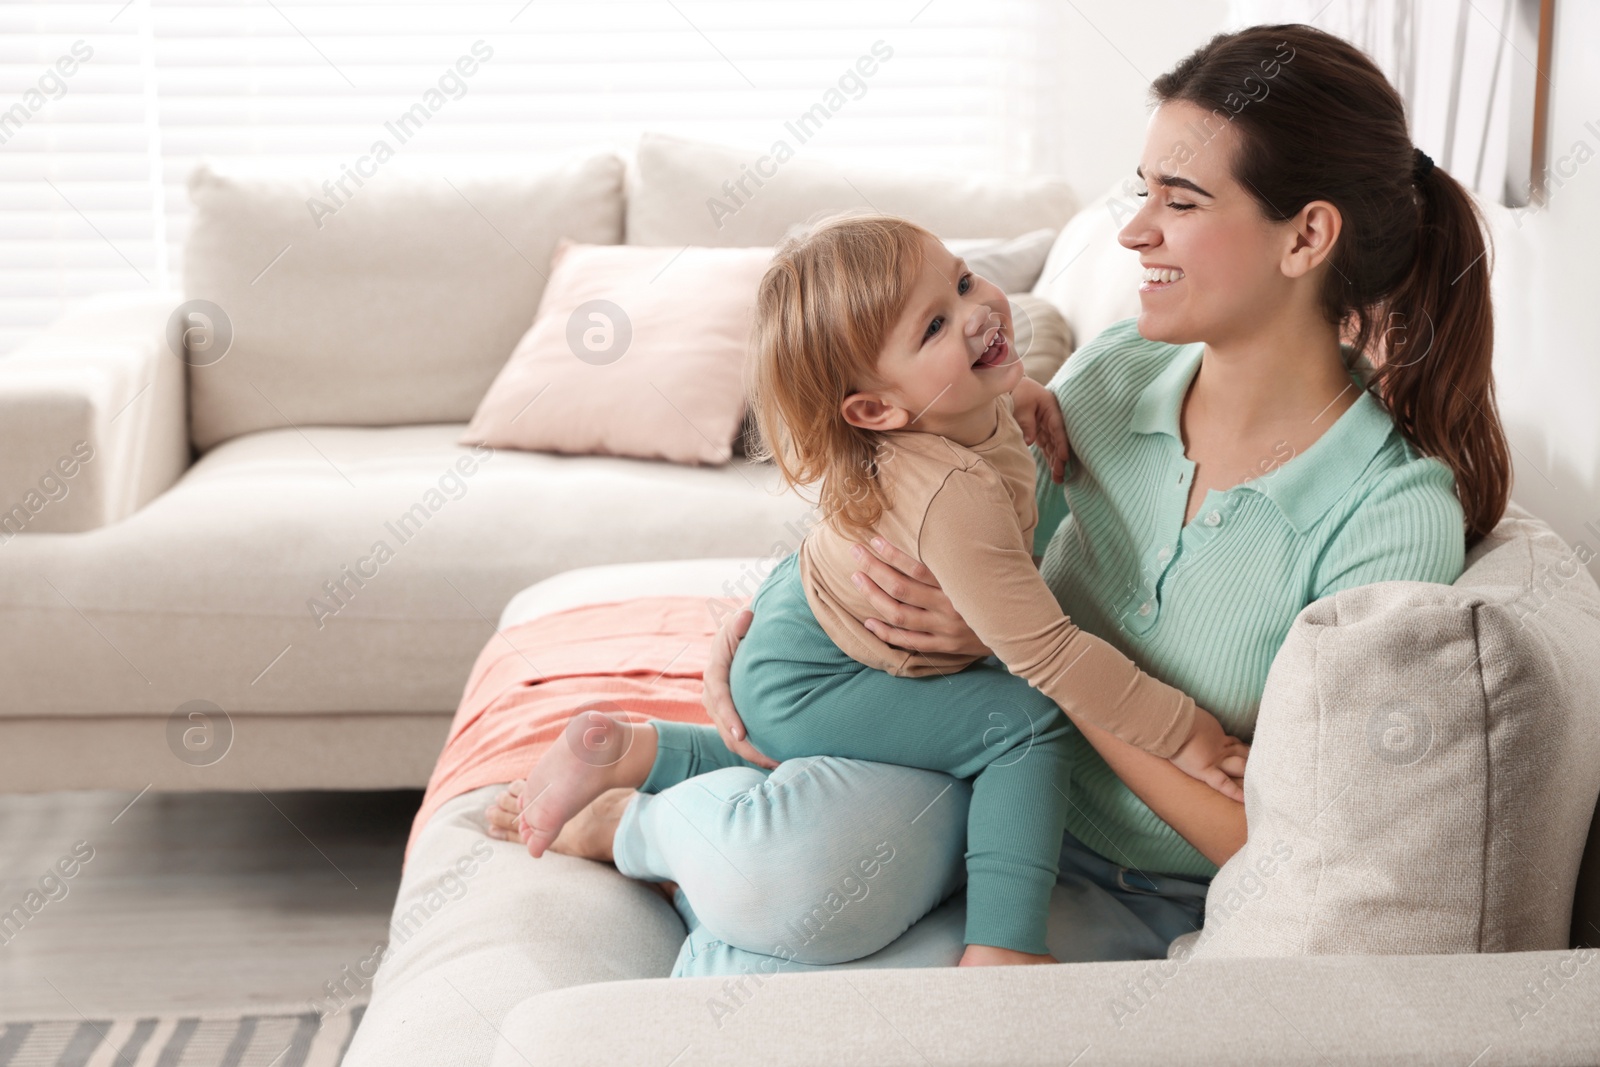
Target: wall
pixel 1547 326
pixel 1110 52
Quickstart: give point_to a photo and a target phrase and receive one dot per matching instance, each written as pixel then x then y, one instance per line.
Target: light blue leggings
pixel 852 863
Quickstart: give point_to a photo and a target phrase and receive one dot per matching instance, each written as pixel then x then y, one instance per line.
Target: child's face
pixel 949 355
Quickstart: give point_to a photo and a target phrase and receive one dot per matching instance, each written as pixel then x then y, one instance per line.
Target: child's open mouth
pixel 996 353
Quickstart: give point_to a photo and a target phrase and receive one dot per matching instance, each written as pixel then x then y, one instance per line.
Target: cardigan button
pixel 1144 609
pixel 1213 519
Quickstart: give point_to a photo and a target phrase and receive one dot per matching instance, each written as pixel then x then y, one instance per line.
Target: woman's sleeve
pixel 1408 528
pixel 971 541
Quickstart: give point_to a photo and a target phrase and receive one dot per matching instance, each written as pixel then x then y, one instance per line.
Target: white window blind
pixel 93 165
pixel 1465 69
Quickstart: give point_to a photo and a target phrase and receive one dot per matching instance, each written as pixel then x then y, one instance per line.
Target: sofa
pixel 1414 948
pixel 191 484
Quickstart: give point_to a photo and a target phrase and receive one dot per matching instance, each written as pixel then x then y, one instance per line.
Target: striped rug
pixel 185 1041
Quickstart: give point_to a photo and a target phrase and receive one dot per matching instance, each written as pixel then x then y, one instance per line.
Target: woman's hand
pixel 717 698
pixel 1038 413
pixel 917 616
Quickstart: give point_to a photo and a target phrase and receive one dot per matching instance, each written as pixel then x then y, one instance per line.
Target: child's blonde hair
pixel 824 311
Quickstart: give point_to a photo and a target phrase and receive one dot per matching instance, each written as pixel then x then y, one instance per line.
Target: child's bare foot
pixel 597 753
pixel 588 834
pixel 503 811
pixel 989 956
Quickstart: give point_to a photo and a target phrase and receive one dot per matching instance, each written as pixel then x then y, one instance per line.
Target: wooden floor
pixel 191 902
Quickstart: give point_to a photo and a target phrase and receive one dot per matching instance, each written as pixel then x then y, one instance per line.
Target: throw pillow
pixel 1425 764
pixel 634 352
pixel 392 305
pixel 682 192
pixel 1011 263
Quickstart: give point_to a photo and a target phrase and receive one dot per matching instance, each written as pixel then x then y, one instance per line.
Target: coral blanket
pixel 645 656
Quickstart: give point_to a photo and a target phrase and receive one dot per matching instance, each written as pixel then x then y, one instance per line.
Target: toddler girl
pixel 883 372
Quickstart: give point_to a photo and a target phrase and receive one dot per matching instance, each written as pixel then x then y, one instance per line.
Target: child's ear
pixel 871 412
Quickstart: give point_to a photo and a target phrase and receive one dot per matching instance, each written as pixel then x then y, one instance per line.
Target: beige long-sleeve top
pixel 968 514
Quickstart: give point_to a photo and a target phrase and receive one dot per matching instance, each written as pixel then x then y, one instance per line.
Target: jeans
pixel 853 863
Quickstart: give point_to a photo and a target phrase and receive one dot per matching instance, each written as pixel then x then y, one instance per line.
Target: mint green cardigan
pixel 1205 607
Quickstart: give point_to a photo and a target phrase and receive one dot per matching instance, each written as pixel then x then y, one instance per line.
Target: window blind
pixel 1463 69
pixel 93 165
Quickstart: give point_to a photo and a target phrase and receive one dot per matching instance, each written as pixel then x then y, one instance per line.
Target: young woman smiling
pixel 1304 404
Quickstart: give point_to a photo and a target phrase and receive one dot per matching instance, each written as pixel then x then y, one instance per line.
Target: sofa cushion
pixel 479 925
pixel 257 583
pixel 676 196
pixel 1011 263
pixel 1425 764
pixel 636 351
pixel 397 304
pixel 1404 1011
pixel 529 927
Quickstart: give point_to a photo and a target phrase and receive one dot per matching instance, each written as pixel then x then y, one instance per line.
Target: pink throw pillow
pixel 634 351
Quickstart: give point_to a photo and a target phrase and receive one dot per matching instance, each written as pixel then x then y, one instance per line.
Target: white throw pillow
pixel 1425 764
pixel 685 193
pixel 1013 263
pixel 394 304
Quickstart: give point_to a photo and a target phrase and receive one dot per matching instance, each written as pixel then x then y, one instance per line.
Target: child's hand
pixel 1213 757
pixel 1039 414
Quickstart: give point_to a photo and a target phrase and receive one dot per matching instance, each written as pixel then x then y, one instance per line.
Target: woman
pixel 1232 462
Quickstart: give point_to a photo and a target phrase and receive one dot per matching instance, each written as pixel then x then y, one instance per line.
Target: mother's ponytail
pixel 1409 284
pixel 1435 370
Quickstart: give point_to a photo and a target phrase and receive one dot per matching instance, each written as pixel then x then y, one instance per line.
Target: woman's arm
pixel 1209 821
pixel 922 618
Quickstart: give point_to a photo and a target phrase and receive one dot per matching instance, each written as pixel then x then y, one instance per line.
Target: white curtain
pixel 1460 65
pixel 105 107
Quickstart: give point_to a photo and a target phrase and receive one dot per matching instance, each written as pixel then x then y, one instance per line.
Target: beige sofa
pixel 1415 947
pixel 188 586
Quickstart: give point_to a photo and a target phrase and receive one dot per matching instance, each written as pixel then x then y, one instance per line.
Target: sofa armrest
pixel 1528 1007
pixel 93 417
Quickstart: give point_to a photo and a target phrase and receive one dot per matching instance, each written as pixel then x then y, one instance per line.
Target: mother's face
pixel 1195 217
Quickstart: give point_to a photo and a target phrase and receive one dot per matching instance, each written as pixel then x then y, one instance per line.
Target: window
pixel 105 107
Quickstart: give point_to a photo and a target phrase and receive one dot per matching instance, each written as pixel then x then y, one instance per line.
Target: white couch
pixel 563 961
pixel 213 504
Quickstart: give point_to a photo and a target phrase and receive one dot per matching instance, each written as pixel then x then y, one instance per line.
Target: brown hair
pixel 1317 120
pixel 824 310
